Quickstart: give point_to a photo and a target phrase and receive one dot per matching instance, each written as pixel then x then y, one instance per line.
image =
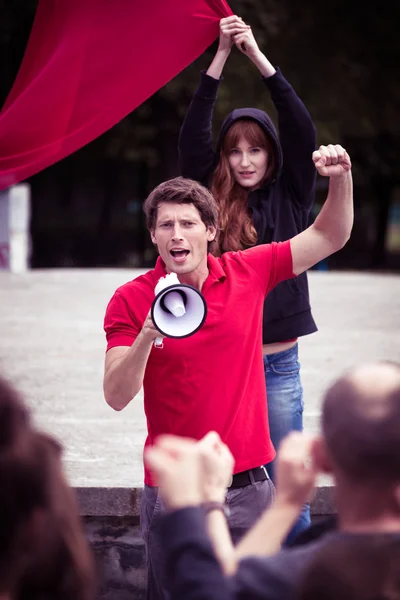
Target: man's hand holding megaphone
pixel 149 330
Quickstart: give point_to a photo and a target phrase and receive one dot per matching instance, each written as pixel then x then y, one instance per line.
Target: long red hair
pixel 236 229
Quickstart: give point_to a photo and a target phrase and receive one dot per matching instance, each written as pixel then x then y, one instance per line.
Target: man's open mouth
pixel 179 253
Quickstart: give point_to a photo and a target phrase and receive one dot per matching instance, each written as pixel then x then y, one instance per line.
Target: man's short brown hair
pixel 182 191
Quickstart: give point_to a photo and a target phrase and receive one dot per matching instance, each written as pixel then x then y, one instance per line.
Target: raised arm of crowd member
pixel 295 479
pixel 179 466
pixel 193 478
pixel 125 365
pixel 332 227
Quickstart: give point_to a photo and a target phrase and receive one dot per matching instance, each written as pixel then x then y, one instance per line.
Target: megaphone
pixel 178 310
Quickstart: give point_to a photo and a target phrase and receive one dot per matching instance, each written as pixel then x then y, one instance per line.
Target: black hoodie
pixel 281 208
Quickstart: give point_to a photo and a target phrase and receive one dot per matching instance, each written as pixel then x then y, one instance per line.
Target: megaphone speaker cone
pixel 168 306
pixel 174 302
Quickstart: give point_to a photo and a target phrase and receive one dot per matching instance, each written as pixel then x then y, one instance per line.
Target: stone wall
pixel 119 548
pixel 120 557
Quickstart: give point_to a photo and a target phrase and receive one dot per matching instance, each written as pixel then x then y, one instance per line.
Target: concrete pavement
pixel 52 346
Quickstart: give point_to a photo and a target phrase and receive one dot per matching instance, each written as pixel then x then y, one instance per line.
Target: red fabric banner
pixel 89 63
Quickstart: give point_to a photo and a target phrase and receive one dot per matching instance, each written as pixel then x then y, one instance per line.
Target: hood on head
pixel 265 123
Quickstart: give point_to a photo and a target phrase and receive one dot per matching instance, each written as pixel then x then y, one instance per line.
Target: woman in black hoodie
pixel 265 186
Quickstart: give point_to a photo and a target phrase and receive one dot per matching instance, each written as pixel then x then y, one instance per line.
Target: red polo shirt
pixel 213 380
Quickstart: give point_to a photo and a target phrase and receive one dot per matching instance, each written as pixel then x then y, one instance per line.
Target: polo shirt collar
pixel 159 269
pixel 215 270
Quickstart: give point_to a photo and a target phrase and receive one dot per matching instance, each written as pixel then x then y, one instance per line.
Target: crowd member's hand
pixel 217 465
pixel 228 28
pixel 295 472
pixel 190 472
pixel 331 160
pixel 246 43
pixel 175 465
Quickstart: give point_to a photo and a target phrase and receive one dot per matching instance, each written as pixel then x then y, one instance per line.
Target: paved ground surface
pixel 52 347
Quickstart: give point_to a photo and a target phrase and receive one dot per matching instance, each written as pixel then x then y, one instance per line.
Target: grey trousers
pixel 246 504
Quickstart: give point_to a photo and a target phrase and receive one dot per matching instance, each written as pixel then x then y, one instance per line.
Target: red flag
pixel 87 65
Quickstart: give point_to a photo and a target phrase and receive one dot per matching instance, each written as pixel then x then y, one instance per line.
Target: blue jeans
pixel 285 409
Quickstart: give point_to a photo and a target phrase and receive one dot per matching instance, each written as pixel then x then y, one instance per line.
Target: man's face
pixel 181 238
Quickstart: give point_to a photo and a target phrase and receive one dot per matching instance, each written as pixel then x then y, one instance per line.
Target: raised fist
pixel 331 160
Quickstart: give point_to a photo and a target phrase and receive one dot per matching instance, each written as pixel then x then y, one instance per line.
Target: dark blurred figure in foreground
pixel 43 551
pixel 361 568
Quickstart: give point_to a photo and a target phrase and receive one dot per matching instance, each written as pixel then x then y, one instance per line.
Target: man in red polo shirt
pixel 213 380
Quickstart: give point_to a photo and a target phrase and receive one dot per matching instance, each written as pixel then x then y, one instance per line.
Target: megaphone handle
pixel 158 342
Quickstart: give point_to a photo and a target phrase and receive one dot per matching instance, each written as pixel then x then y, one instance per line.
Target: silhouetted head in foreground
pixel 43 551
pixel 360 446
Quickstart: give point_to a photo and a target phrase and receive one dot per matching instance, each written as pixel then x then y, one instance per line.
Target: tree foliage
pixel 342 61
